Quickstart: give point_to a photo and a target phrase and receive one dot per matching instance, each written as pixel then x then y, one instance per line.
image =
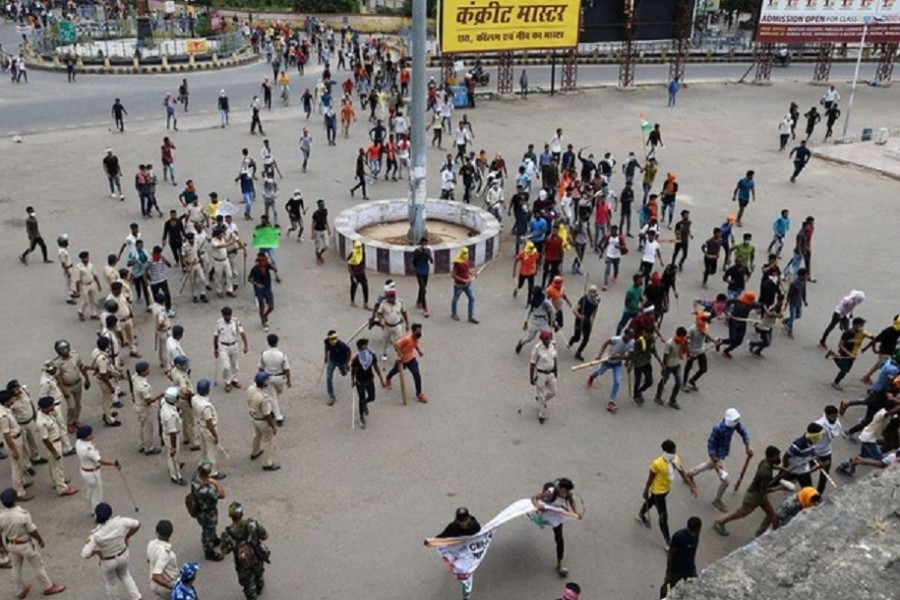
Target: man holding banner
pixel 465 525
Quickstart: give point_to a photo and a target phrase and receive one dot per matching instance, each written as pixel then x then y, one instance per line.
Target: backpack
pixel 249 550
pixel 192 504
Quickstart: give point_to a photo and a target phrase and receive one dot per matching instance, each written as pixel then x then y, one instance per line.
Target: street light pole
pixel 417 172
pixel 862 44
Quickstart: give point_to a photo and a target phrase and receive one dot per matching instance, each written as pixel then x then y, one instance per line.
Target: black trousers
pixel 365 392
pixel 643 378
pixel 38 241
pixel 582 333
pixel 700 359
pixel 680 249
pixel 363 282
pixel 560 542
pixel 413 367
pixel 659 501
pixel 836 319
pixel 361 184
pixel 423 289
pixel 163 287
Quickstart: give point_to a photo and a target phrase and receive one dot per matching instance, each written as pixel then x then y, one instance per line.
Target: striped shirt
pixel 157 271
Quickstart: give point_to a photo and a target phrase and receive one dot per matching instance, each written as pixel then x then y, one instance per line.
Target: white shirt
pixel 831 96
pixel 88 455
pixel 204 411
pixel 447 182
pixel 109 538
pixel 649 253
pixel 173 350
pixel 462 136
pixel 823 447
pixel 266 155
pixel 130 241
pixel 556 144
pixel 162 561
pixel 870 434
pixel 400 125
pixel 170 420
pixel 274 362
pixel 228 331
pixel 613 249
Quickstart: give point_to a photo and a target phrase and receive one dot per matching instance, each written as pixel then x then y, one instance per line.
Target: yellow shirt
pixel 660 469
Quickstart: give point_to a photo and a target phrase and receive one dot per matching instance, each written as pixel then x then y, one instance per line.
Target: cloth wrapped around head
pixel 356 256
pixel 462 256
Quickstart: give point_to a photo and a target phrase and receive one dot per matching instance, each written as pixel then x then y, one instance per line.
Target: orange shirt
pixel 406 347
pixel 374 152
pixel 554 293
pixel 527 264
pixel 347 113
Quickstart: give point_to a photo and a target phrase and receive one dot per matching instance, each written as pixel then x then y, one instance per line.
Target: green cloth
pixel 266 237
pixel 633 299
pixel 744 252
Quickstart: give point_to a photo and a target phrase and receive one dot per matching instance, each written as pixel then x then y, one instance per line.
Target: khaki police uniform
pixel 51 432
pixel 173 351
pixel 204 411
pixel 85 275
pixel 260 406
pixel 26 414
pixel 102 364
pixel 146 413
pixel 49 386
pixel 14 438
pixel 222 273
pixel 16 527
pixel 109 540
pixel 110 274
pixel 182 380
pixel 170 422
pixel 89 465
pixel 161 328
pixel 125 326
pixel 234 240
pixel 544 360
pixel 162 561
pixel 71 381
pixel 229 335
pixel 392 315
pixel 65 262
pixel 275 362
pixel 193 268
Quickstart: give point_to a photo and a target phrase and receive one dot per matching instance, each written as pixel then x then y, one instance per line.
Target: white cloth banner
pixel 464 554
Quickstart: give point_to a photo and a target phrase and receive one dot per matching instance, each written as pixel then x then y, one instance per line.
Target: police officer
pixel 65 263
pixel 110 331
pixel 260 406
pixel 26 415
pixel 125 317
pixel 542 372
pixel 87 285
pixel 222 273
pixel 244 538
pixel 181 378
pixel 207 492
pixel 13 437
pixel 19 535
pixel 170 430
pixel 51 435
pixel 173 347
pixel 144 401
pixel 161 327
pixel 184 586
pixel 227 333
pixel 72 375
pixel 90 462
pixel 192 267
pixel 163 562
pixel 49 386
pixel 109 542
pixel 207 421
pixel 106 378
pixel 275 363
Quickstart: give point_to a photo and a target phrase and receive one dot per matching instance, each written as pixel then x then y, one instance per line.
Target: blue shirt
pixel 744 186
pixel 673 87
pixel 182 592
pixel 888 372
pixel 719 442
pixel 539 227
pixel 421 260
pixel 338 353
pixel 781 225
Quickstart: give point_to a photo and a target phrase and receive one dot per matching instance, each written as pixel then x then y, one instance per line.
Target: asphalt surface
pixel 349 509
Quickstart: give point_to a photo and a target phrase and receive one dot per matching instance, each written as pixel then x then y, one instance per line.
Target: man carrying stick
pixel 407 347
pixel 718 446
pixel 757 495
pixel 620 350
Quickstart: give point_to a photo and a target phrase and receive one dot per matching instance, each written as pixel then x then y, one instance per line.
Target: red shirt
pixel 553 248
pixel 461 273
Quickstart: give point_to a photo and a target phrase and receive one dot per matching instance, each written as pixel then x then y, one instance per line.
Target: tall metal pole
pixel 862 43
pixel 417 175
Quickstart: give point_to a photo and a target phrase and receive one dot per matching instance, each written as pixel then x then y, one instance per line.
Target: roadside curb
pixel 213 63
pixel 853 165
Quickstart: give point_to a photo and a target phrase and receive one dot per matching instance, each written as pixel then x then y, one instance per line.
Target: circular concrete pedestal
pixel 483 239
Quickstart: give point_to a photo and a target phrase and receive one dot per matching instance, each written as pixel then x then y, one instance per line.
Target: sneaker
pixel 519 349
pixel 720 505
pixel 638 399
pixel 659 401
pixel 271 467
pixel 643 520
pixel 474 321
pixel 837 386
pixel 675 405
pixel 421 398
pixel 425 313
pixel 720 529
pixel 727 354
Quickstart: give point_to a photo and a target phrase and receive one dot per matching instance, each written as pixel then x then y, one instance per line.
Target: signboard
pixel 505 25
pixel 170 7
pixel 67 33
pixel 197 46
pixel 604 20
pixel 796 21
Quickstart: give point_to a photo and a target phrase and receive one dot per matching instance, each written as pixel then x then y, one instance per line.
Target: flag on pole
pixel 265 238
pixel 646 126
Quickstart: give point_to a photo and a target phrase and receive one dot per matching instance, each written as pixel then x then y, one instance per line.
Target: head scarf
pixel 462 256
pixel 669 185
pixel 530 251
pixel 806 495
pixel 565 237
pixel 356 257
pixel 700 319
pixel 747 298
pixel 555 289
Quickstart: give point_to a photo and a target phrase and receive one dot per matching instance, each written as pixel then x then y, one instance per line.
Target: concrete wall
pixel 847 548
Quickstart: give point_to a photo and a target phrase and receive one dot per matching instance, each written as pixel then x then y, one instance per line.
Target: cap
pixel 189 570
pixel 203 387
pixel 45 402
pixel 172 395
pixel 261 378
pixel 181 360
pixel 63 240
pixel 546 334
pixel 164 528
pixel 462 512
pixel 8 497
pixel 226 310
pixel 84 432
pixel 102 512
pixel 297 192
pixel 50 367
pixel 732 416
pixel 592 290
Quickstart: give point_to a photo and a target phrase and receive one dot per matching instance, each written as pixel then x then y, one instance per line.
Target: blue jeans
pixel 329 376
pixel 459 290
pixel 646 191
pixel 794 313
pixel 223 117
pixel 672 98
pixel 248 202
pixel 626 317
pixel 616 369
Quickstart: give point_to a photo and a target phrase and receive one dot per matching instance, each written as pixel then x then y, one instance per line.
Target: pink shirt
pixel 601 214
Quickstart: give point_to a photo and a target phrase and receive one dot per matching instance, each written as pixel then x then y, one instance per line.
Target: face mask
pixel 669 456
